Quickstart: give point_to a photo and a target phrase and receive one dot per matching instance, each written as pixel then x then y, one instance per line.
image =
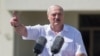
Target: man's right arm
pixel 19 28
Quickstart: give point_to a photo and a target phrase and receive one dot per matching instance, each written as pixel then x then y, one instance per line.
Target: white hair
pixel 48 10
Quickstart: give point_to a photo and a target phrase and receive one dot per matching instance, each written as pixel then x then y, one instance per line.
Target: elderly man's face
pixel 55 16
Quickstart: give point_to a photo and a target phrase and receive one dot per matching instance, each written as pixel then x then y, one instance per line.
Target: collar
pixel 65 28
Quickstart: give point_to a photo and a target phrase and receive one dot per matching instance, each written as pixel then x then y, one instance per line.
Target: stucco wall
pixel 6 31
pixel 41 5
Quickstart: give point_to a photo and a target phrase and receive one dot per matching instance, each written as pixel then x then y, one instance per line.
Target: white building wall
pixel 6 32
pixel 69 5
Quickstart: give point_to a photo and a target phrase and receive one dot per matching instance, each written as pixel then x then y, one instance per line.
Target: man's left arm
pixel 80 48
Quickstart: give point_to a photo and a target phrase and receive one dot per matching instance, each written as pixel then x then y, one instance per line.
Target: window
pixel 90 28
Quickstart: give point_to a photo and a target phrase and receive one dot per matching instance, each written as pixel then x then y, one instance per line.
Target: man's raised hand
pixel 15 19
